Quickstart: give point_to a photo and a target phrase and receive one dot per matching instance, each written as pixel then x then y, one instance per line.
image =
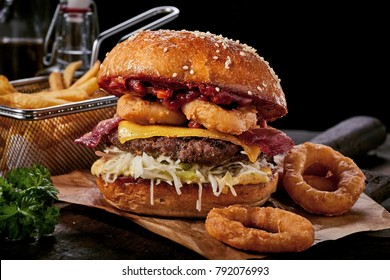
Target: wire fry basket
pixel 47 135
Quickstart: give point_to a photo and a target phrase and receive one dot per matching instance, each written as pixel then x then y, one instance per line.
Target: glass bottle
pixel 23 25
pixel 73 30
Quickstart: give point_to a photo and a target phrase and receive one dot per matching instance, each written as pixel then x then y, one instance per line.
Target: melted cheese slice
pixel 129 131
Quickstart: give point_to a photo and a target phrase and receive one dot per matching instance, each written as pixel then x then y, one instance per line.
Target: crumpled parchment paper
pixel 79 187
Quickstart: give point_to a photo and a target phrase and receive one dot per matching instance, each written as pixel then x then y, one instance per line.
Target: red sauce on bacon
pixel 174 94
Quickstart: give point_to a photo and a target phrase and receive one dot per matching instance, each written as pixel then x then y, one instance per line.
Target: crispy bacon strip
pixel 271 141
pixel 93 138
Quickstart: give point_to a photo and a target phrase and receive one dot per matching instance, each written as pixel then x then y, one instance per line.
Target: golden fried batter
pixel 135 109
pixel 213 117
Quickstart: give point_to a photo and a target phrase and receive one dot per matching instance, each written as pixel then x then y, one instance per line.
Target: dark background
pixel 332 59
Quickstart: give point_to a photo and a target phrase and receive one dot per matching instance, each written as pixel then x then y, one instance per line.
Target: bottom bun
pixel 135 197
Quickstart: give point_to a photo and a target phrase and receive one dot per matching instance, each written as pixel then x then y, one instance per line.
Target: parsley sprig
pixel 27 195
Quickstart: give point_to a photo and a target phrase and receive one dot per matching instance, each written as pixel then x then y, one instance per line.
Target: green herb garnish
pixel 27 195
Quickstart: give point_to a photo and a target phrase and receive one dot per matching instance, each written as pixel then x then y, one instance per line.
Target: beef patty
pixel 186 149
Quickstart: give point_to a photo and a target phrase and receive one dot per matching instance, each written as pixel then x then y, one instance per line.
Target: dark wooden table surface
pixel 89 233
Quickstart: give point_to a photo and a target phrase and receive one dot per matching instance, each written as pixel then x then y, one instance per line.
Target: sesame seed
pixel 165 49
pixel 228 62
pixel 192 71
pixel 174 75
pixel 258 88
pixel 217 51
pixel 249 92
pixel 217 89
pixel 242 53
pixel 185 67
pixel 217 45
pixel 215 57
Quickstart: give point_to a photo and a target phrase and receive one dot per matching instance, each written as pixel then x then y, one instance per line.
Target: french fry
pixel 61 90
pixel 92 72
pixel 45 101
pixel 30 101
pixel 43 98
pixel 69 71
pixel 55 81
pixel 5 86
pixel 90 86
pixel 75 94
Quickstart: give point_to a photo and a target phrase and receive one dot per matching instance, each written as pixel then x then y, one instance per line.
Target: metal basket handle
pixel 170 13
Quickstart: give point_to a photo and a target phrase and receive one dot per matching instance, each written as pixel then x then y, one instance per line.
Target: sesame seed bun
pixel 194 57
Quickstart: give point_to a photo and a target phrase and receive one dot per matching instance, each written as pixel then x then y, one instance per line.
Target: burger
pixel 191 129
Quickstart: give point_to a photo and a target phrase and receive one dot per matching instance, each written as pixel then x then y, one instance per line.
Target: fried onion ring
pixel 328 184
pixel 349 179
pixel 213 117
pixel 260 229
pixel 145 112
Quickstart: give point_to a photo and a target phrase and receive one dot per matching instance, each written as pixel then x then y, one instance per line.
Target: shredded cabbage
pixel 221 177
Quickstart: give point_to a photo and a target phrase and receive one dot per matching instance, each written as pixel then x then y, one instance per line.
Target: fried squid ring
pixel 349 179
pixel 213 117
pixel 260 229
pixel 145 112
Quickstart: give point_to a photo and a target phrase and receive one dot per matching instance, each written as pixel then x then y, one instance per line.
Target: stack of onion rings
pixel 261 229
pixel 336 193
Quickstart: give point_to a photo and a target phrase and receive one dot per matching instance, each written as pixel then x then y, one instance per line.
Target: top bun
pixel 200 58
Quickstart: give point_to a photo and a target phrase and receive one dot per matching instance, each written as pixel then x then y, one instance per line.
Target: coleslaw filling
pixel 221 177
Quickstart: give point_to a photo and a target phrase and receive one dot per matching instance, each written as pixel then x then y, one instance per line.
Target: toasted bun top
pixel 194 57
